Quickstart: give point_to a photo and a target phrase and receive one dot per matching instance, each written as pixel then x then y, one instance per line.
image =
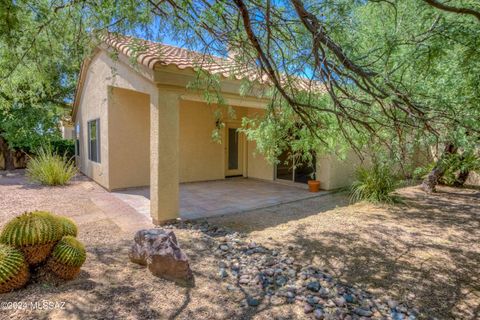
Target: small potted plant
pixel 313 184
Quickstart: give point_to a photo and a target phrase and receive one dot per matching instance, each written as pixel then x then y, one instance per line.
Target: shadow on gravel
pixel 425 251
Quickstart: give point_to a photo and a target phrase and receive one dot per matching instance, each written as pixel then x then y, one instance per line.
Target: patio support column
pixel 164 166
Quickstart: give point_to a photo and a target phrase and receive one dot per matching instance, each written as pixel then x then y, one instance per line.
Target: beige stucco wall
pixel 93 105
pixel 129 138
pixel 258 166
pixel 67 131
pixel 103 73
pixel 203 159
pixel 334 173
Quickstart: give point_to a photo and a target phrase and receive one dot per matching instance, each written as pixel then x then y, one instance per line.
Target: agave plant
pixel 67 258
pixel 34 233
pixel 14 272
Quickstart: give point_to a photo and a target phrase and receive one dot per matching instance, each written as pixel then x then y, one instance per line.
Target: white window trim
pixel 97 133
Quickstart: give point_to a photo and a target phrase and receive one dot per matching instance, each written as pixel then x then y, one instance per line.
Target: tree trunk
pixel 7 154
pixel 430 182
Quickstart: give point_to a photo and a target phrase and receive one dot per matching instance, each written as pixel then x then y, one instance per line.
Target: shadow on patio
pixel 222 197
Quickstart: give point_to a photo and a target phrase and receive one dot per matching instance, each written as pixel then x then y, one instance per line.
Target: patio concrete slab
pixel 213 198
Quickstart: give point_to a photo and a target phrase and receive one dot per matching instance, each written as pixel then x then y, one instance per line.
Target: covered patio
pixel 213 198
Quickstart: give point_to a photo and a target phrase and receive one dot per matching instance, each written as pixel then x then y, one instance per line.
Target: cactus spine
pixel 67 258
pixel 14 272
pixel 68 227
pixel 34 233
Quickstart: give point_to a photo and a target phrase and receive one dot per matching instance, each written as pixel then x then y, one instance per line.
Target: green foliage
pixel 69 252
pixel 422 171
pixel 49 168
pixel 68 227
pixel 30 229
pixel 11 262
pixel 42 45
pixel 374 184
pixel 453 164
pixel 64 147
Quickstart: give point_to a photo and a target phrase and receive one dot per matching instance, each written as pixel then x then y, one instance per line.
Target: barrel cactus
pixel 14 272
pixel 34 233
pixel 68 227
pixel 67 258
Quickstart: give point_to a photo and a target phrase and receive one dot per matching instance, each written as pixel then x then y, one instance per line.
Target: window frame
pixel 91 154
pixel 77 139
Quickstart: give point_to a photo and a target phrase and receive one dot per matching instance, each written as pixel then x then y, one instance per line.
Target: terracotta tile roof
pixel 152 54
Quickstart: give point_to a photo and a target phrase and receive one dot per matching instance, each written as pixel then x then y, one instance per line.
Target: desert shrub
pixel 453 164
pixel 49 168
pixel 421 172
pixel 374 184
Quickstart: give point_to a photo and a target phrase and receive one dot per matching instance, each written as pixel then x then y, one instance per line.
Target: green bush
pixel 421 172
pixel 49 168
pixel 374 184
pixel 65 147
pixel 452 164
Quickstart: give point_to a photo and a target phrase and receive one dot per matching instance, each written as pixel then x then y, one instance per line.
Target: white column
pixel 164 166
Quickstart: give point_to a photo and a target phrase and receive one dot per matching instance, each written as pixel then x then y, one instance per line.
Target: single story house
pixel 137 124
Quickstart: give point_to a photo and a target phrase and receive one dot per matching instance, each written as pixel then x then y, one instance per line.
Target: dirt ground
pixel 426 250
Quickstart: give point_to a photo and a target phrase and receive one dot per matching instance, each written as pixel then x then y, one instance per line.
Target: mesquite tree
pixel 401 74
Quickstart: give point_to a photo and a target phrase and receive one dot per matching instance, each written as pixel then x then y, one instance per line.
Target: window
pixel 76 134
pixel 94 140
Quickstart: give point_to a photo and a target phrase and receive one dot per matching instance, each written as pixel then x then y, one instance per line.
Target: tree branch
pixel 452 9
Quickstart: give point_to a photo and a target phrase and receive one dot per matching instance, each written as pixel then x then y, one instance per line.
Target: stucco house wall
pixel 121 98
pixel 129 138
pixel 200 157
pixel 67 131
pixel 93 105
pixel 102 74
pixel 334 173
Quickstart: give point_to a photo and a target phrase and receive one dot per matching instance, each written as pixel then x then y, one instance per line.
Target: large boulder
pixel 158 250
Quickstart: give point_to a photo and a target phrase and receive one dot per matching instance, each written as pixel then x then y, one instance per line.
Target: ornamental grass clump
pixel 49 168
pixel 374 184
pixel 33 233
pixel 14 272
pixel 67 258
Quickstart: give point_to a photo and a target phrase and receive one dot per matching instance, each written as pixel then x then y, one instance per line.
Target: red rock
pixel 158 250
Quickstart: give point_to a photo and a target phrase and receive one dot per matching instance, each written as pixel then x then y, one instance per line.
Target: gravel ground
pixel 425 251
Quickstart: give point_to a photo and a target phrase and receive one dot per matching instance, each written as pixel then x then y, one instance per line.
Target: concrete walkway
pixel 214 198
